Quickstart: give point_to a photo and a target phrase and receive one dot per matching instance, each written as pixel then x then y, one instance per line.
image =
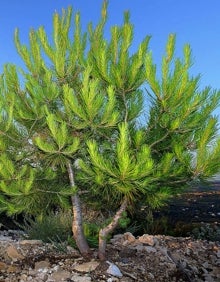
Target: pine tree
pixel 80 100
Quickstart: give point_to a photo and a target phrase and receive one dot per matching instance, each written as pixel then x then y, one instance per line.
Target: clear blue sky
pixel 194 21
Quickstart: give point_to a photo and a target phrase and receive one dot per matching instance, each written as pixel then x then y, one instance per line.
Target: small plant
pixel 60 246
pixel 54 227
pixel 150 224
pixel 207 231
pixel 91 231
pixel 124 221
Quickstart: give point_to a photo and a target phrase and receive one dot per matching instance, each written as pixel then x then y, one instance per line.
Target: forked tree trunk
pixel 104 232
pixel 77 224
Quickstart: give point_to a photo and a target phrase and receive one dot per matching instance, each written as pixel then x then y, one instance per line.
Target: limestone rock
pixel 147 239
pixel 13 269
pixel 60 275
pixel 31 242
pixel 150 249
pixel 13 254
pixel 128 238
pixel 114 270
pixel 147 258
pixel 3 266
pixel 87 267
pixel 40 265
pixel 78 278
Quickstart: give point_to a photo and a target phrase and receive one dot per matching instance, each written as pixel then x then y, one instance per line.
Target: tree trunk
pixel 77 226
pixel 104 232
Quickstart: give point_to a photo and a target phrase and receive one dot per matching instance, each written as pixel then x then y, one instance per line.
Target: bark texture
pixel 77 224
pixel 104 232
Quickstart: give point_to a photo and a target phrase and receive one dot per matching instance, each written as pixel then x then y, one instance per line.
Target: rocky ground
pixel 144 258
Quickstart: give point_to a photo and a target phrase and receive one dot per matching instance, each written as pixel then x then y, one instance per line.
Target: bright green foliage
pixel 87 108
pixel 59 144
pixel 125 174
pixel 54 227
pixel 181 119
pixel 113 64
pixel 81 97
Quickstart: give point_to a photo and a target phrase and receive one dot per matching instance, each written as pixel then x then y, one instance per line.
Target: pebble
pixel 114 270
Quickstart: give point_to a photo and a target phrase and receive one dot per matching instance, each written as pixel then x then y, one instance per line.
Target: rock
pixel 87 267
pixel 40 265
pixel 152 258
pixel 112 279
pixel 60 275
pixel 208 278
pixel 3 266
pixel 150 249
pixel 23 277
pixel 77 278
pixel 205 264
pixel 147 239
pixel 31 242
pixel 13 254
pixel 114 270
pixel 216 271
pixel 4 238
pixel 139 248
pixel 128 238
pixel 117 239
pixel 126 279
pixel 13 269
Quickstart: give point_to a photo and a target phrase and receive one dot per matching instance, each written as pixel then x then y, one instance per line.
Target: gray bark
pixel 77 224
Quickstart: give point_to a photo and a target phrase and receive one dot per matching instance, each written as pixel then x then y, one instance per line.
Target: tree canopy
pixel 74 126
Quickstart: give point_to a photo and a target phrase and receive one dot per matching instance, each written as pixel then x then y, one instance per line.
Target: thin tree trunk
pixel 77 226
pixel 104 232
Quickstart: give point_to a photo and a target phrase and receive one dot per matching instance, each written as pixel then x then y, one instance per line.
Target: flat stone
pixel 78 278
pixel 31 242
pixel 41 265
pixel 3 266
pixel 13 254
pixel 114 270
pixel 113 279
pixel 5 238
pixel 87 266
pixel 60 275
pixel 13 269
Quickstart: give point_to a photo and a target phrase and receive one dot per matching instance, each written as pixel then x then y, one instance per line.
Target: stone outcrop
pixel 145 258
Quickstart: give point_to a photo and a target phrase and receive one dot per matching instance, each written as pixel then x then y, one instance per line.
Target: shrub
pixel 55 227
pixel 207 231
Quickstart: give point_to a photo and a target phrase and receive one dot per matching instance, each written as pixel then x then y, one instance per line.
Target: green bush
pixel 54 227
pixel 91 231
pixel 148 223
pixel 210 232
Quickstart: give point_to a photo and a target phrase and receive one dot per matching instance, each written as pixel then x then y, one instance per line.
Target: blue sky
pixel 196 22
